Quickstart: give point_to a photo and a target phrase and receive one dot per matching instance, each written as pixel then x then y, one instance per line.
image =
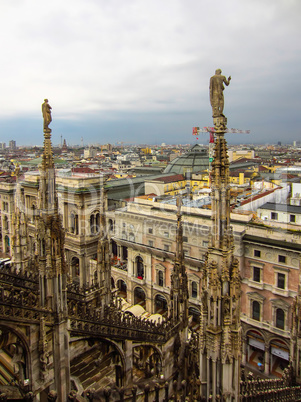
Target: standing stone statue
pixel 46 111
pixel 216 93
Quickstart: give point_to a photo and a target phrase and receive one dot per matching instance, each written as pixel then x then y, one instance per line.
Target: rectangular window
pixel 256 310
pixel 257 253
pixel 282 259
pixel 185 239
pixel 205 243
pixel 166 234
pixel 160 278
pixel 292 218
pixel 150 230
pixel 280 318
pixel 274 215
pixel 256 274
pixel 166 247
pixel 281 281
pixel 151 243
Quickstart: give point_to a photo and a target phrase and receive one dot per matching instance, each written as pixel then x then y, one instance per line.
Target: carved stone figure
pixel 216 92
pixel 46 111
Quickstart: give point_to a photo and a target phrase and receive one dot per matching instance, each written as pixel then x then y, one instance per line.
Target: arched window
pixel 256 310
pixel 194 289
pixel 34 213
pixel 74 223
pixel 131 237
pixel 280 318
pixel 111 225
pixel 114 248
pixel 92 224
pixel 97 222
pixel 124 253
pixel 160 278
pixel 5 222
pixel 139 267
pixel 7 244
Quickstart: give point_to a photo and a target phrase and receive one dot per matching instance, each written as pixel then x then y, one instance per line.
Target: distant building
pixel 280 213
pixel 242 153
pixel 90 152
pixel 107 148
pixel 12 144
pixel 296 194
pixel 2 145
pixel 64 147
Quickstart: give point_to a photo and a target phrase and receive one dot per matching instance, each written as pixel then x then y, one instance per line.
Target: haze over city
pixel 139 71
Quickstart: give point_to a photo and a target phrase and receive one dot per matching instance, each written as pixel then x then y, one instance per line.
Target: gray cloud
pixel 152 60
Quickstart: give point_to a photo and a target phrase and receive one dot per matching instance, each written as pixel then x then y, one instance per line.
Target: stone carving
pixel 46 111
pixel 216 93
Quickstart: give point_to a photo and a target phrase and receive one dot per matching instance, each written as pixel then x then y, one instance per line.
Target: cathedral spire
pixel 103 253
pixel 51 262
pixel 179 289
pixel 220 329
pixel 47 191
pixel 20 254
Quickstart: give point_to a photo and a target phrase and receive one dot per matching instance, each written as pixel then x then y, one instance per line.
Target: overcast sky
pixel 138 71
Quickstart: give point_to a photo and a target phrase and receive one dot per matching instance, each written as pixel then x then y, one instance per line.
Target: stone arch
pixel 274 338
pixel 100 358
pixel 195 313
pixel 160 304
pixel 140 296
pixel 122 288
pixel 279 351
pixel 14 346
pixel 147 361
pixel 158 350
pixel 255 346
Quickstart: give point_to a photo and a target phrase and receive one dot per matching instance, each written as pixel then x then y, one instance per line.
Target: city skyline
pixel 139 72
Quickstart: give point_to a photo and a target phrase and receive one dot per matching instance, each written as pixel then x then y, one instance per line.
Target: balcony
pixel 119 264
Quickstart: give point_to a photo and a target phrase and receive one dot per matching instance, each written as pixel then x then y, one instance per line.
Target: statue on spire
pixel 216 93
pixel 46 111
